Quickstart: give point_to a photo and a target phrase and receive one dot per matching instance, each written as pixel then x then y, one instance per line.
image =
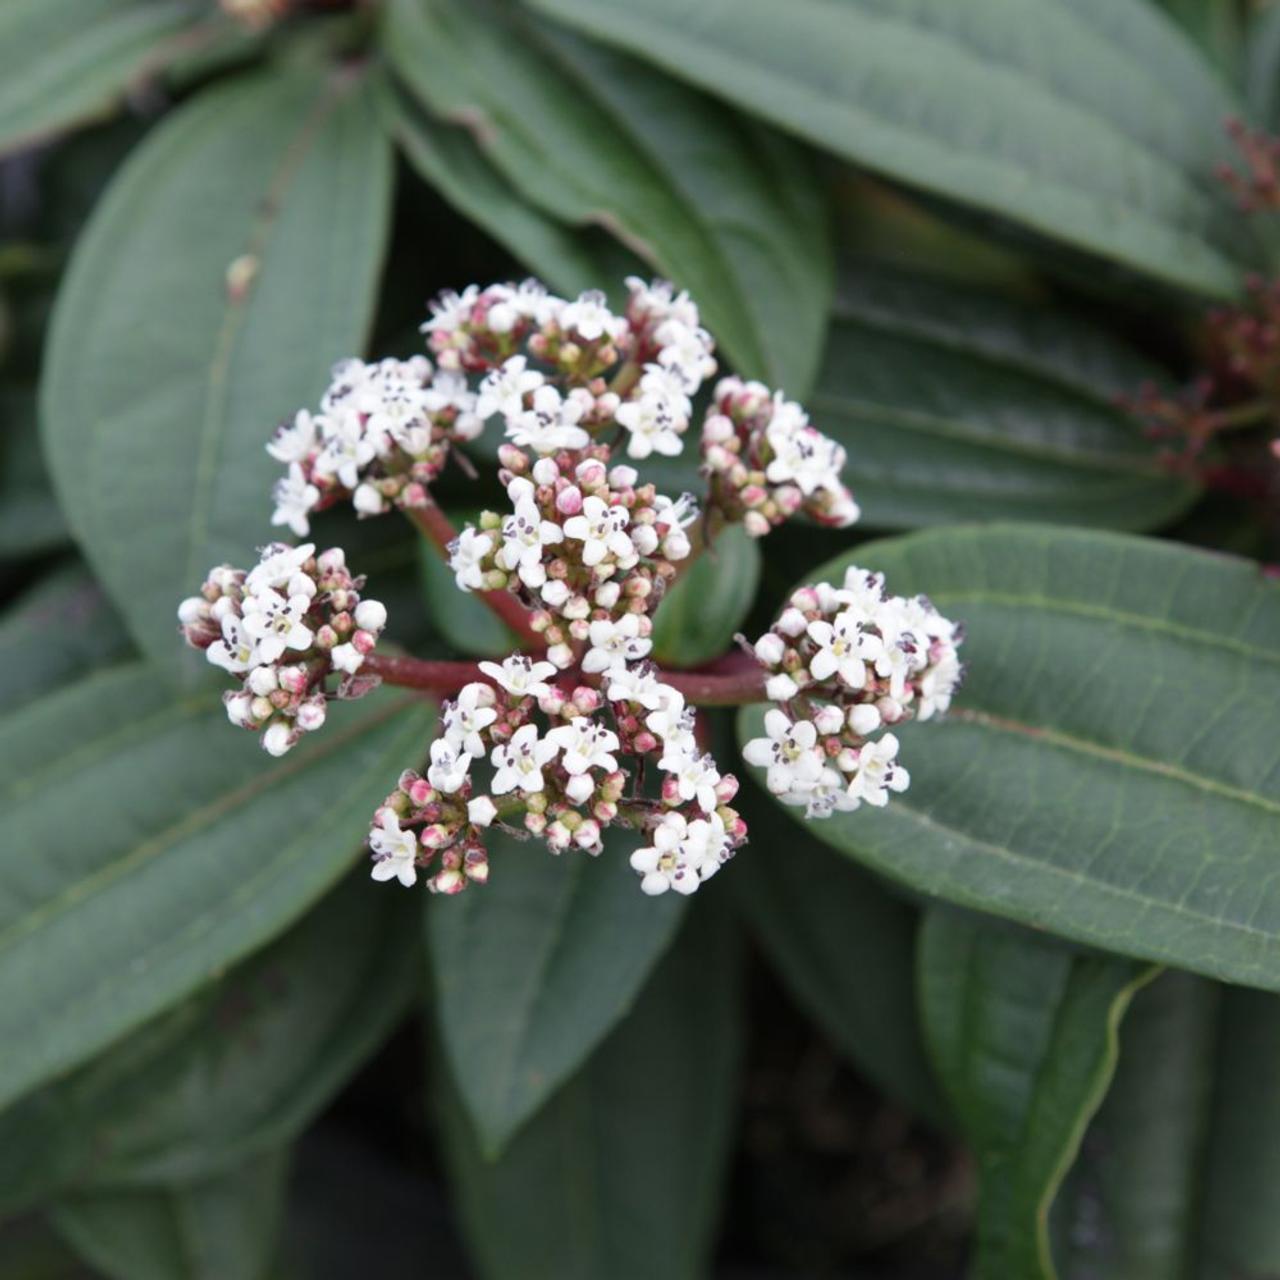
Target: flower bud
pixel 780 688
pixel 864 719
pixel 371 615
pixel 481 811
pixel 770 648
pixel 311 714
pixel 793 623
pixel 278 738
pixel 755 525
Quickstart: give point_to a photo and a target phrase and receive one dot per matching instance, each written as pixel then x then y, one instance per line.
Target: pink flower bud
pixel 586 699
pixel 364 642
pixel 726 788
pixel 645 743
pixel 569 501
pixel 755 525
pixel 421 793
pixel 671 790
pixel 435 836
pixel 311 714
pixel 717 429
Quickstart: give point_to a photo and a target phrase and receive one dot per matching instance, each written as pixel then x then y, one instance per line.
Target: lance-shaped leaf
pixel 1096 123
pixel 1110 769
pixel 618 1174
pixel 958 406
pixel 532 971
pixel 148 845
pixel 233 259
pixel 1022 1031
pixel 727 210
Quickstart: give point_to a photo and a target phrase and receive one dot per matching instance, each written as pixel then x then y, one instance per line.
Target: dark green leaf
pixel 219 1228
pixel 532 971
pixel 239 1069
pixel 1262 69
pixel 843 945
pixel 956 406
pixel 62 61
pixel 162 382
pixel 148 845
pixel 698 618
pixel 729 212
pixel 1023 1035
pixel 1111 769
pixel 1095 123
pixel 1217 26
pixel 56 631
pixel 619 1174
pixel 30 521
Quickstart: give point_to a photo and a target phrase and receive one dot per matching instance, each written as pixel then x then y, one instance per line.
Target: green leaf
pixel 1262 68
pixel 1023 1036
pixel 219 1228
pixel 30 522
pixel 726 210
pixel 844 947
pixel 1216 26
pixel 58 630
pixel 62 62
pixel 698 618
pixel 161 383
pixel 148 845
pixel 240 1069
pixel 1110 770
pixel 533 970
pixel 449 159
pixel 619 1174
pixel 958 406
pixel 1130 1207
pixel 1094 123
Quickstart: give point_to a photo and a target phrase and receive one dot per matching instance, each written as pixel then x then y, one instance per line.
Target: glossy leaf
pixel 958 406
pixel 1110 770
pixel 62 62
pixel 590 136
pixel 219 1228
pixel 58 630
pixel 531 973
pixel 163 380
pixel 844 947
pixel 698 618
pixel 236 1071
pixel 1023 1035
pixel 618 1175
pixel 1131 1206
pixel 1095 123
pixel 148 845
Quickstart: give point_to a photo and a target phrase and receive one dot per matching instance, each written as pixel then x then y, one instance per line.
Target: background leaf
pixel 1023 1036
pixel 727 211
pixel 184 849
pixel 30 521
pixel 1094 123
pixel 161 385
pixel 1110 770
pixel 619 1174
pixel 955 405
pixel 531 973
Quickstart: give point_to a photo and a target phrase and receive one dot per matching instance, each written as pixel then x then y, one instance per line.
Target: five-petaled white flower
pixel 552 422
pixel 503 391
pixel 347 448
pixel 878 772
pixel 276 623
pixel 279 565
pixel 293 441
pixel 586 745
pixel 601 528
pixel 236 652
pixel 294 496
pixel 654 423
pixel 843 649
pixel 613 643
pixel 636 684
pixel 524 534
pixel 696 775
pixel 450 311
pixel 518 764
pixel 805 458
pixel 449 766
pixel 466 556
pixel 394 851
pixel 463 720
pixel 589 317
pixel 788 752
pixel 521 675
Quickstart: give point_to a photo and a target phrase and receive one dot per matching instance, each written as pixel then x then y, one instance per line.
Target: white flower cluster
pixel 584 548
pixel 846 662
pixel 281 629
pixel 382 435
pixel 565 780
pixel 766 461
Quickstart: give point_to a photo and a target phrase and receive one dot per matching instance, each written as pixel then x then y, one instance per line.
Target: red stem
pixel 438 529
pixel 416 673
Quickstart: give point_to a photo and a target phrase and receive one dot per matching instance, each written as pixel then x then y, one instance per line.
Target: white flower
pixel 877 772
pixel 552 422
pixel 466 554
pixel 636 684
pixel 656 301
pixel 394 851
pixel 449 390
pixel 280 563
pixel 346 657
pixel 518 763
pixel 842 648
pixel 292 442
pixel 450 311
pixel 347 382
pixel 671 720
pixel 368 501
pixel 236 652
pixel 276 623
pixel 613 643
pixel 895 662
pixel 524 534
pixel 659 381
pixel 520 675
pixel 805 458
pixel 686 351
pixel 937 686
pixel 481 811
pixel 824 797
pixel 294 496
pixel 696 775
pixel 347 448
pixel 682 855
pixel 503 390
pixel 655 426
pixel 788 752
pixel 449 765
pixel 586 745
pixel 601 528
pixel 465 719
pixel 862 590
pixel 590 318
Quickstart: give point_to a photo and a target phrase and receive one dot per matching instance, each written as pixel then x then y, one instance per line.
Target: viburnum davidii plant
pixel 579 730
